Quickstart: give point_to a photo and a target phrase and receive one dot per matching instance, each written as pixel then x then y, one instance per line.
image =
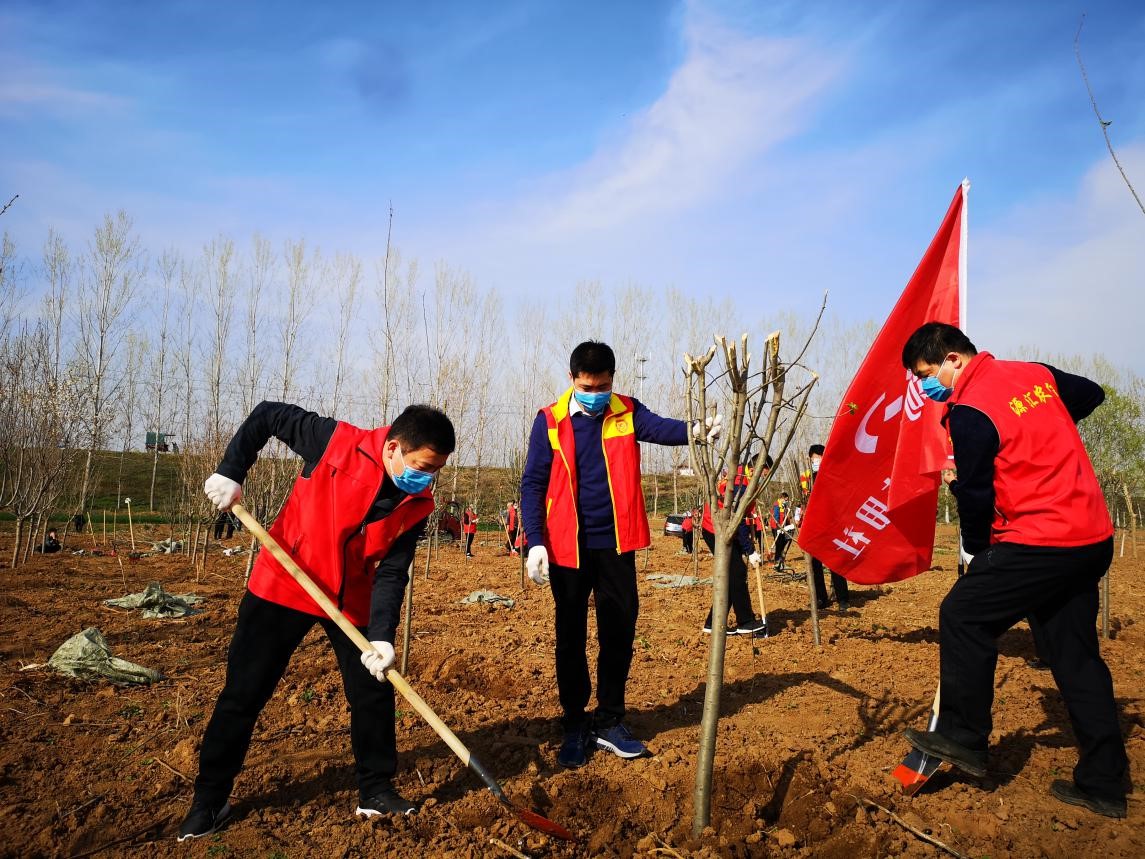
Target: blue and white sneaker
pixel 619 740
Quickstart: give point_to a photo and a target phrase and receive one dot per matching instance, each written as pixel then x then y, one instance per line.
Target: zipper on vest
pixel 361 529
pixel 611 492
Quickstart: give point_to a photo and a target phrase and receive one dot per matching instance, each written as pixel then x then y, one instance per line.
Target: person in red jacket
pixel 469 529
pixel 1036 539
pixel 351 521
pixel 687 527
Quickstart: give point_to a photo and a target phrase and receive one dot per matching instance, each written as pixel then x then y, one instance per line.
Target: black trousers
pixel 1057 588
pixel 265 637
pixel 469 543
pixel 739 597
pixel 610 578
pixel 686 539
pixel 839 583
pixel 782 541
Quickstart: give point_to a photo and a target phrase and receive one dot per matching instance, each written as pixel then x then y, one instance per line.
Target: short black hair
pixel 592 357
pixel 815 449
pixel 784 495
pixel 768 462
pixel 932 342
pixel 424 426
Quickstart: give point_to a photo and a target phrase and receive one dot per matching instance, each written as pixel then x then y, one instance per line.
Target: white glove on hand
pixel 537 565
pixel 754 559
pixel 710 429
pixel 377 663
pixel 222 491
pixel 964 556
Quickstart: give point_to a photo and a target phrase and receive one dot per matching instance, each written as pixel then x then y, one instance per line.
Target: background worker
pixel 782 523
pixel 687 528
pixel 512 529
pixel 469 529
pixel 584 519
pixel 838 583
pixel 739 595
pixel 1037 538
pixel 352 521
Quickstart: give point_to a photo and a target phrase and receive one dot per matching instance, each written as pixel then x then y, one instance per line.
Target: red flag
pixel 871 515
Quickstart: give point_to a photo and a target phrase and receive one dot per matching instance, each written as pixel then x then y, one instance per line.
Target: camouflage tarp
pixel 157 602
pixel 666 581
pixel 167 547
pixel 489 597
pixel 87 656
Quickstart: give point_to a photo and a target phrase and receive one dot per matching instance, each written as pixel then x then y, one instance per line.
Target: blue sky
pixel 763 151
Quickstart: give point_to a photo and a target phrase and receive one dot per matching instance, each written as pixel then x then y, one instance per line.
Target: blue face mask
pixel 592 403
pixel 935 389
pixel 412 481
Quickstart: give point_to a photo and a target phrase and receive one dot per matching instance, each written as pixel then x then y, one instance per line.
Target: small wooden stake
pixel 130 524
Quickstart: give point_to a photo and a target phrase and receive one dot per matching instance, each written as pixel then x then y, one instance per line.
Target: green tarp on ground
pixel 157 602
pixel 663 580
pixel 489 597
pixel 87 656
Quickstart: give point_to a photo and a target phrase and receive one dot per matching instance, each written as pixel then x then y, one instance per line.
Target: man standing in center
pixel 583 511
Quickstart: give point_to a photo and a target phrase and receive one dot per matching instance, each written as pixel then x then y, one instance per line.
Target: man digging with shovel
pixel 352 521
pixel 1036 538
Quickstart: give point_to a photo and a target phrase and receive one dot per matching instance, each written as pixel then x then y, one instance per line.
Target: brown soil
pixel 89 768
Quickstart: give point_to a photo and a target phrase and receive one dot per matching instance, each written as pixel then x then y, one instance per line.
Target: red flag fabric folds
pixel 871 515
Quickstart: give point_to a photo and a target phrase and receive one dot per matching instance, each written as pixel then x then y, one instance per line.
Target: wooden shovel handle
pixel 399 682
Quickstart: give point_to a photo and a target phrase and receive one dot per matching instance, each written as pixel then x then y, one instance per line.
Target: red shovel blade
pixel 915 771
pixel 543 824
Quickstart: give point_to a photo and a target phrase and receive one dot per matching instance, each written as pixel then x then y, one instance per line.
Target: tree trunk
pixel 702 796
pixel 408 623
pixel 16 544
pixel 814 601
pixel 1132 515
pixel 250 559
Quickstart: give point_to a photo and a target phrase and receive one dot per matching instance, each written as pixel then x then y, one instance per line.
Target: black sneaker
pixel 756 628
pixel 574 748
pixel 204 818
pixel 1070 793
pixel 384 801
pixel 937 746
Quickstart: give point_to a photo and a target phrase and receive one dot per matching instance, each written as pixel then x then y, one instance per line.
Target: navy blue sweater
pixel 594 503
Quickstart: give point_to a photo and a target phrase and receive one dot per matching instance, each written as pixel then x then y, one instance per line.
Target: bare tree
pixel 762 417
pixel 218 268
pixel 261 273
pixel 347 284
pixel 109 278
pixel 167 267
pixel 304 275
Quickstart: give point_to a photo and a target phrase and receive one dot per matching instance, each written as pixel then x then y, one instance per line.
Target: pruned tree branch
pixel 1102 121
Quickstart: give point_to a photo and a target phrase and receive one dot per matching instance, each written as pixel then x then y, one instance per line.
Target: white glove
pixel 378 661
pixel 964 556
pixel 538 565
pixel 754 560
pixel 710 429
pixel 222 491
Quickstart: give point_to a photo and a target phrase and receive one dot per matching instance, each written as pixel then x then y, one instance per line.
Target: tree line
pixel 105 341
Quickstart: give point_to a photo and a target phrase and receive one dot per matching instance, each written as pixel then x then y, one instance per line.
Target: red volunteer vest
pixel 1045 489
pixel 622 461
pixel 320 526
pixel 469 523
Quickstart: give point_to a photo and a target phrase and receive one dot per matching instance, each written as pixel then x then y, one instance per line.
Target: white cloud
pixel 1066 275
pixel 732 97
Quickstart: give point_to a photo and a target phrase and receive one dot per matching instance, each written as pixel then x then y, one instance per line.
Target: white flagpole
pixel 962 242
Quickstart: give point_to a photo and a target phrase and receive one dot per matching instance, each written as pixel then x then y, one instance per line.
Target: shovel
pixel 917 767
pixel 531 818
